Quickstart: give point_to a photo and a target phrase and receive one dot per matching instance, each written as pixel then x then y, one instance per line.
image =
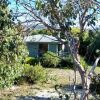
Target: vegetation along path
pixel 41 91
pixel 56 76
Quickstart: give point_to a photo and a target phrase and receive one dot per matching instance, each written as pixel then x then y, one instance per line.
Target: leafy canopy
pixel 12 49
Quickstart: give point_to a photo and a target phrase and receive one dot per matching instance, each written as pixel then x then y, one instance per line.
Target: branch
pixel 94 66
pixel 73 54
pixel 90 16
pixel 28 8
pixel 83 15
pixel 79 66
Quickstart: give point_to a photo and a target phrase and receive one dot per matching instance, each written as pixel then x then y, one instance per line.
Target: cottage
pixel 39 44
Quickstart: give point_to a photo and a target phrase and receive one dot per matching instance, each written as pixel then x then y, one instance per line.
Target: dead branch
pixel 94 66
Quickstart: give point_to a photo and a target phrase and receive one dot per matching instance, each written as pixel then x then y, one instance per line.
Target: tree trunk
pixel 85 79
pixel 85 82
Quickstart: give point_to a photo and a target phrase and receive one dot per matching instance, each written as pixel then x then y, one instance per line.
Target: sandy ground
pixel 42 91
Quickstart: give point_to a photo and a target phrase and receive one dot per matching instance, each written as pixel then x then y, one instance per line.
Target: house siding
pixel 53 47
pixel 33 49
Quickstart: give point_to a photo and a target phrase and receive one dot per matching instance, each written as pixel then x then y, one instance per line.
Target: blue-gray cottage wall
pixel 53 47
pixel 33 49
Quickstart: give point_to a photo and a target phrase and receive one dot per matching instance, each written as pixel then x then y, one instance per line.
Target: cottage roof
pixel 40 38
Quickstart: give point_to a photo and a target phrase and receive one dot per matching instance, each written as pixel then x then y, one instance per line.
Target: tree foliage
pixel 42 31
pixel 50 59
pixel 93 45
pixel 12 50
pixel 5 15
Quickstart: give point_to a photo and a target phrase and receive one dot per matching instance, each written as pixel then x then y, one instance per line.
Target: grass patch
pixel 97 69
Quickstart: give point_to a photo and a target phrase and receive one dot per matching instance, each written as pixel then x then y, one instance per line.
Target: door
pixel 43 47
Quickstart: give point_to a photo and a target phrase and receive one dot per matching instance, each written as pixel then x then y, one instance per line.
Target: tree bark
pixel 86 79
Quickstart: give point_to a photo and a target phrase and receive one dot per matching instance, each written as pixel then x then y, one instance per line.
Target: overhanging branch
pixel 94 66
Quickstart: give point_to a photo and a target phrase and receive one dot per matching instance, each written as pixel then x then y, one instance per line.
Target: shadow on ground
pixel 65 89
pixel 31 98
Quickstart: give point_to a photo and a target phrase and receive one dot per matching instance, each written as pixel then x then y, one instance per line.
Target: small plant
pixel 39 73
pixel 95 85
pixel 83 62
pixel 66 62
pixel 50 59
pixel 32 74
pixel 31 60
pixel 8 74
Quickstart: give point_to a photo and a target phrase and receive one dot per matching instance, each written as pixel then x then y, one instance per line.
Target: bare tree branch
pixel 94 66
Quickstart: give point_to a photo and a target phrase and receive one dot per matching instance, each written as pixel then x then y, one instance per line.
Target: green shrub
pixel 66 62
pixel 32 74
pixel 50 59
pixel 95 85
pixel 31 60
pixel 38 74
pixel 8 73
pixel 83 62
pixel 24 78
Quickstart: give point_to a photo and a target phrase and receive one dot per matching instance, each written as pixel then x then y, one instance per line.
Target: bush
pixel 95 85
pixel 31 60
pixel 38 74
pixel 50 59
pixel 32 74
pixel 66 62
pixel 83 62
pixel 8 73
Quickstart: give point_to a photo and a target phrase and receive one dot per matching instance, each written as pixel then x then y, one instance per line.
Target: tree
pixel 4 17
pixel 60 16
pixel 94 45
pixel 12 49
pixel 10 38
pixel 42 31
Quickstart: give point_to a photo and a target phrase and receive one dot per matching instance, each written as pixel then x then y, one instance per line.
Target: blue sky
pixel 13 7
pixel 13 4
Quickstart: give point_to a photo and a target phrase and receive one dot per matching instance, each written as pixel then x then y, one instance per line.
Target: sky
pixel 13 6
